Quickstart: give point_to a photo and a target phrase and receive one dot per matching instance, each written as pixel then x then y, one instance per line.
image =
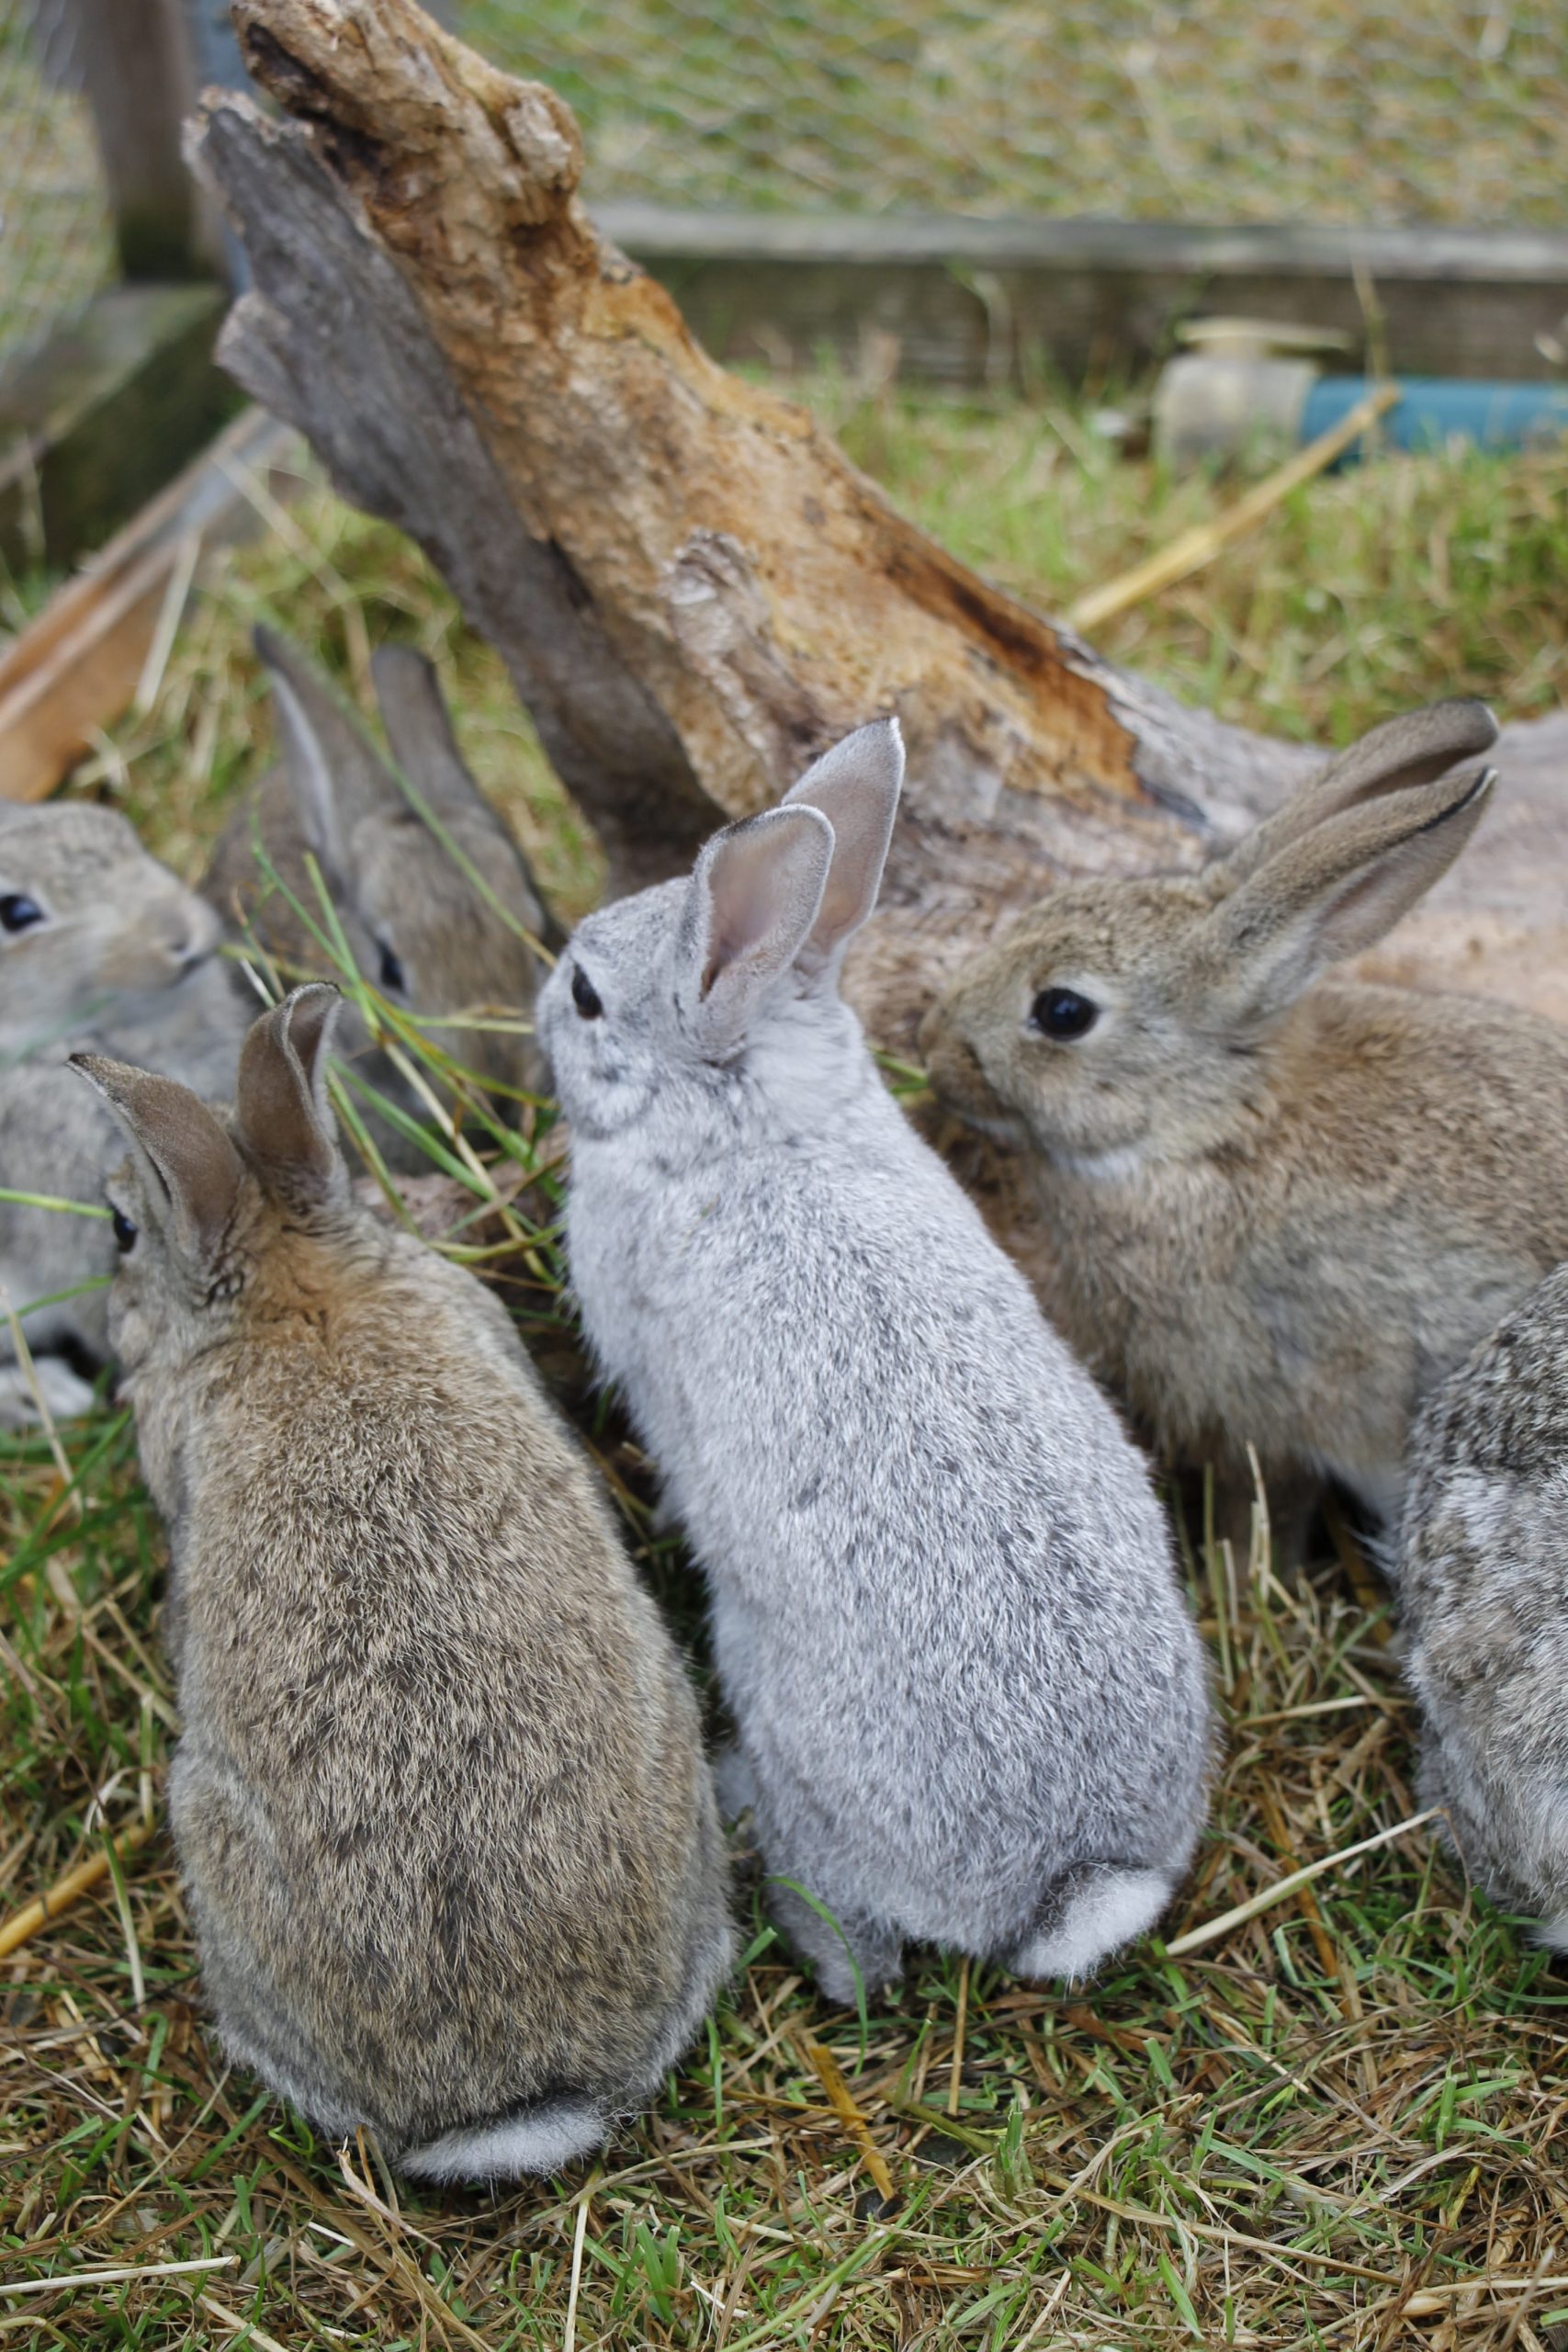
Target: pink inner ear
pixel 743 912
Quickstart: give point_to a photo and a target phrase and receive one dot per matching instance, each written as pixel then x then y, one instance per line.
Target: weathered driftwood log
pixel 694 589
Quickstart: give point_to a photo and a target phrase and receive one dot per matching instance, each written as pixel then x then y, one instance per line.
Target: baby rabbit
pixel 99 945
pixel 419 930
pixel 1483 1585
pixel 971 1704
pixel 440 1803
pixel 1280 1211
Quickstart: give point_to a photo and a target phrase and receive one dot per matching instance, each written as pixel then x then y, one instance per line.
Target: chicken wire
pixel 56 237
pixel 1210 110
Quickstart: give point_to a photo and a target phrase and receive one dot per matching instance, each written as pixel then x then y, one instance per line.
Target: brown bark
pixel 694 589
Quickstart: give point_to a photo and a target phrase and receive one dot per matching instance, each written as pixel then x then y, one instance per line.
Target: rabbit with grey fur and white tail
pixel 1282 1205
pixel 101 946
pixel 440 1803
pixel 1481 1580
pixel 971 1704
pixel 421 929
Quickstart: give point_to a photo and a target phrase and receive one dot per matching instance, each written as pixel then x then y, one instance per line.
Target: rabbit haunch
pixel 971 1704
pixel 439 1802
pixel 1482 1581
pixel 1280 1206
pixel 100 946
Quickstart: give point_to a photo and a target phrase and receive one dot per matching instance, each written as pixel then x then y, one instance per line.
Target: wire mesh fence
pixel 56 239
pixel 1356 110
pixel 1200 110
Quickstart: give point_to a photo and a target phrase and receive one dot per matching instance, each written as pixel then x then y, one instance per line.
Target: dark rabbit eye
pixel 393 979
pixel 1061 1013
pixel 584 995
pixel 18 912
pixel 124 1231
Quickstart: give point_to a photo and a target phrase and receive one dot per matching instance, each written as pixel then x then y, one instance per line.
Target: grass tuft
pixel 1337 2122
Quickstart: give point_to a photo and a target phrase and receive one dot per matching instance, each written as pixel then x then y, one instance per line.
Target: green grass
pixel 1340 2124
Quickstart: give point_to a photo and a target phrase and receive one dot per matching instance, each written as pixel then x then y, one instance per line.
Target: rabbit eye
pixel 1063 1012
pixel 584 995
pixel 124 1231
pixel 18 912
pixel 393 978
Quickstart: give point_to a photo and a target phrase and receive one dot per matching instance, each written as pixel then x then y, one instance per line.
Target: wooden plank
pixel 94 423
pixel 138 73
pixel 77 667
pixel 970 300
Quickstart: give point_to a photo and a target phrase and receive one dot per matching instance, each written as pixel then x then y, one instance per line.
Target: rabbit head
pixel 679 990
pixel 420 928
pixel 216 1214
pixel 93 931
pixel 1119 1021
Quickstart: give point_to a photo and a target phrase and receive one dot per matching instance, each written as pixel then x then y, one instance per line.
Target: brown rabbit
pixel 419 929
pixel 1282 1207
pixel 440 1803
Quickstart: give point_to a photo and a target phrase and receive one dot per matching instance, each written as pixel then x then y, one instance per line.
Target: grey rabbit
pixel 1283 1202
pixel 972 1707
pixel 100 945
pixel 1482 1577
pixel 418 927
pixel 440 1803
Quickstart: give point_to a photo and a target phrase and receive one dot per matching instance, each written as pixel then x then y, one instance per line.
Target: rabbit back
pixel 440 1800
pixel 942 1591
pixel 1482 1587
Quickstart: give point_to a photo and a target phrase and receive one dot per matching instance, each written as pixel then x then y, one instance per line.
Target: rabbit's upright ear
pixel 856 786
pixel 1336 890
pixel 285 1117
pixel 419 729
pixel 334 776
pixel 197 1171
pixel 749 907
pixel 1416 747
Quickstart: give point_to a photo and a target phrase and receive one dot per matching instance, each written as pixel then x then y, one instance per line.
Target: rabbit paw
pixel 65 1392
pixel 850 1954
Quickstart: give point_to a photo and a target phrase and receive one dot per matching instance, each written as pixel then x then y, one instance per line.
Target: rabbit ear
pixel 333 775
pixel 1338 889
pixel 285 1117
pixel 749 910
pixel 197 1170
pixel 1416 747
pixel 856 787
pixel 419 729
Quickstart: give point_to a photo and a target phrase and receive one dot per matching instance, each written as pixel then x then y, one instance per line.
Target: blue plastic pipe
pixel 1432 411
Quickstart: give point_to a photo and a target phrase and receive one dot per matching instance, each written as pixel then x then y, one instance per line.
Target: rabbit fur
pixel 419 930
pixel 1281 1205
pixel 100 946
pixel 1482 1576
pixel 971 1704
pixel 440 1803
